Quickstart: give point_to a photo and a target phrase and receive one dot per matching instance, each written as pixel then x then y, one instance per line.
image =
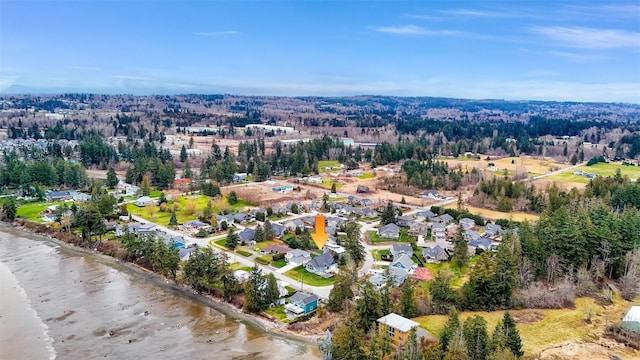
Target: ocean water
pixel 56 303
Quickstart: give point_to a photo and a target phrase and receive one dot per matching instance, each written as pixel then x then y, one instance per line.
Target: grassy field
pixel 459 276
pixel 602 169
pixel 324 164
pixel 31 211
pixel 328 183
pixel 278 313
pixel 541 329
pixel 377 254
pixel 300 273
pixel 495 215
pixel 264 244
pixel 512 164
pixel 279 263
pixel 404 237
pixel 188 208
pixel 366 175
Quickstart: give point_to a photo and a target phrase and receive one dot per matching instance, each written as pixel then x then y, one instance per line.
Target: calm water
pixel 56 303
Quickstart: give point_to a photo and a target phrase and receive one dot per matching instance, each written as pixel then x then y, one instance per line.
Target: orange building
pixel 397 327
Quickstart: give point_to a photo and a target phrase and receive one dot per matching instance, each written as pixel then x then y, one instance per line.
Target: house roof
pixel 182 181
pixel 633 315
pixel 278 229
pixel 321 261
pixel 433 252
pixel 277 248
pixel 426 214
pixel 404 260
pixel 247 234
pixel 304 298
pixel 397 274
pixel 480 242
pixel 446 218
pixel 396 248
pixel 398 322
pixel 298 252
pixel 389 228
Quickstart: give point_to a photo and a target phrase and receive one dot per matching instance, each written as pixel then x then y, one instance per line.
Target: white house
pixel 144 201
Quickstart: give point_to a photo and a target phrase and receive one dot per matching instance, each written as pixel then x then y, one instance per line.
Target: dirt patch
pixel 600 350
pixel 528 316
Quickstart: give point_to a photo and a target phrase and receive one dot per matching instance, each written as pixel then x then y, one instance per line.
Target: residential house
pixel 246 236
pixel 279 210
pixel 425 215
pixel 144 201
pixel 352 200
pixel 291 225
pixel 49 218
pixel 467 223
pixel 492 230
pixel 369 213
pixel 276 249
pixel 181 183
pixel 446 219
pixel 334 249
pixel 196 225
pixel 278 229
pixel 430 194
pixel 398 249
pixel 418 229
pixel 470 235
pixel 141 229
pixel 404 221
pixel 366 202
pixel 434 254
pixel 323 264
pixel 238 177
pixel 314 179
pixel 282 293
pixel 283 189
pixel 631 321
pixel 404 262
pixel 59 196
pixel 397 275
pixel 438 232
pixel 335 222
pixel 301 303
pixel 185 253
pixel 241 275
pixel 126 189
pixel 361 189
pixel 481 243
pixel 78 196
pixel 241 217
pixel 397 327
pixel 110 225
pixel 297 257
pixel 389 231
pixel 227 219
pixel 290 205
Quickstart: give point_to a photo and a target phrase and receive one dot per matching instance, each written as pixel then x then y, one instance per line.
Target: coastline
pixel 263 324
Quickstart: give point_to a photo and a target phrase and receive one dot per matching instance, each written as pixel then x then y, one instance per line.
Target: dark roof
pixel 247 234
pixel 303 298
pixel 433 252
pixel 322 261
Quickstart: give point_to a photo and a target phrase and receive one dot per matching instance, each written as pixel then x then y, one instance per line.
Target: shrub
pixel 277 257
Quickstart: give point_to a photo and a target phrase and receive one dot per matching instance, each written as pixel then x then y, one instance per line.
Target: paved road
pixel 321 291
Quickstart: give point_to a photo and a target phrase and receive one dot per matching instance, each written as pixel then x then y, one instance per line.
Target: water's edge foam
pixel 11 281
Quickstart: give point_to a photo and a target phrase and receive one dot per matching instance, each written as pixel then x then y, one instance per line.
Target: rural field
pixel 532 166
pixel 495 215
pixel 542 329
pixel 601 169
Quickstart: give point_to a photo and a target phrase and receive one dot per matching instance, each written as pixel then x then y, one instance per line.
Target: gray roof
pixel 303 298
pixel 433 252
pixel 396 321
pixel 389 228
pixel 247 234
pixel 403 261
pixel 398 248
pixel 298 252
pixel 398 275
pixel 278 229
pixel 428 214
pixel 322 261
pixel 483 243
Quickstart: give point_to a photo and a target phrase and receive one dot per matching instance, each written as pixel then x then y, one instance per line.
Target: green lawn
pixel 244 253
pixel 183 213
pixel 459 277
pixel 323 164
pixel 241 204
pixel 602 169
pixel 278 313
pixel 264 244
pixel 366 176
pixel 264 259
pixel 300 273
pixel 328 183
pixel 222 243
pixel 279 263
pixel 31 211
pixel 155 193
pixel 404 237
pixel 377 254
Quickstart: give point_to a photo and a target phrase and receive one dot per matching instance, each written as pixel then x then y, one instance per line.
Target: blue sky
pixel 548 50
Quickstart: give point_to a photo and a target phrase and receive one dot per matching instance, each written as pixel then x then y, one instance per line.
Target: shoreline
pixel 227 309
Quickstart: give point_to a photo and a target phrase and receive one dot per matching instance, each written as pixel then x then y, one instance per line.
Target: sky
pixel 515 50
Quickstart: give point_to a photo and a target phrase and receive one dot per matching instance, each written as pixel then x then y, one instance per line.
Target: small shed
pixel 631 321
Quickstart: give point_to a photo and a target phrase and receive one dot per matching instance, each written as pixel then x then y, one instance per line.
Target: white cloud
pixel 577 57
pixel 217 33
pixel 413 30
pixel 476 13
pixel 589 38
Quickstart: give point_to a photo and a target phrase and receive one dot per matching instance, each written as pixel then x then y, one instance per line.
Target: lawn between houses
pixel 301 274
pixel 31 211
pixel 404 237
pixel 543 328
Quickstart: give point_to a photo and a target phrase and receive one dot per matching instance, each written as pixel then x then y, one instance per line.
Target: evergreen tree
pixel 272 293
pixel 254 291
pixel 411 349
pixel 186 172
pixel 380 344
pixel 232 238
pixel 442 294
pixel 352 243
pixel 269 234
pixel 432 352
pixel 340 293
pixel 145 187
pixel 183 154
pixel 333 188
pixel 475 334
pixel 112 179
pixel 10 208
pixel 450 328
pixel 457 347
pixel 346 343
pixel 389 214
pixel 407 301
pixel 173 221
pixel 232 198
pixel 258 234
pixel 403 201
pixel 368 306
pixel 506 335
pixel 460 255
